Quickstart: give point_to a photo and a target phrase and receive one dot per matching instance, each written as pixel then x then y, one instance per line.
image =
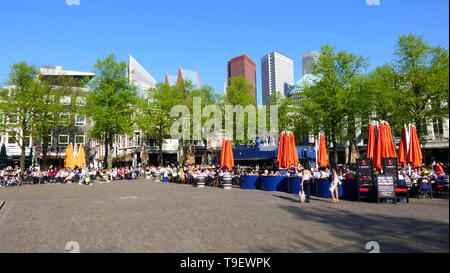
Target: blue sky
pixel 204 34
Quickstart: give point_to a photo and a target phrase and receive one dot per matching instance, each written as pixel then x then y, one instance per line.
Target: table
pixel 251 182
pixel 274 183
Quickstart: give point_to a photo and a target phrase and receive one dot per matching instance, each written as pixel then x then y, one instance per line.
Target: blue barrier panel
pixel 323 188
pixel 274 183
pixel 294 185
pixel 251 182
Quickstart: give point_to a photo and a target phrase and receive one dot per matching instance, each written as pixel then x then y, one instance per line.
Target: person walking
pixel 306 184
pixel 334 189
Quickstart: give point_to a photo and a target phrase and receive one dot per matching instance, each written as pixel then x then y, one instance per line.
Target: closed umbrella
pixel 293 151
pixel 390 144
pixel 81 158
pixel 227 155
pixel 280 156
pixel 287 155
pixel 415 153
pixel 323 154
pixel 222 153
pixel 378 155
pixel 354 153
pixel 69 162
pixel 402 149
pixel 371 141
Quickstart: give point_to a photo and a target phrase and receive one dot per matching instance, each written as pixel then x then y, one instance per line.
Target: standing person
pixel 334 189
pixel 306 184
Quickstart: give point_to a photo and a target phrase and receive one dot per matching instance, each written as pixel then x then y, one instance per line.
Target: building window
pixel 13 119
pixel 137 139
pixel 65 100
pixel 64 117
pixel 80 120
pixel 11 141
pixel 79 139
pixel 63 139
pixel 152 143
pixel 438 128
pixel 81 101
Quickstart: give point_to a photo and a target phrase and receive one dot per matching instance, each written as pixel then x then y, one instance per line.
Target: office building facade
pixel 308 61
pixel 243 66
pixel 277 75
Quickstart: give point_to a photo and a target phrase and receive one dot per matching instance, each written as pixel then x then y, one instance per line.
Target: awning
pixel 123 158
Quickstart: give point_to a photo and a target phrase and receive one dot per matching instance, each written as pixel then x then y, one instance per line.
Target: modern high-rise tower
pixel 308 60
pixel 277 74
pixel 243 66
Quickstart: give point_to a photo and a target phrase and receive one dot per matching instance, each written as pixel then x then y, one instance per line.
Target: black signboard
pixel 390 166
pixel 364 170
pixel 386 187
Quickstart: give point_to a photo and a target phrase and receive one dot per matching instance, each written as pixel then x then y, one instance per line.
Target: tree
pixel 287 114
pixel 153 112
pixel 333 103
pixel 20 105
pixel 208 97
pixel 111 102
pixel 3 157
pixel 238 93
pixel 51 115
pixel 422 73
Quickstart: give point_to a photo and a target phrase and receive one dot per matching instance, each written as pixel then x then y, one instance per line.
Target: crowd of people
pixel 433 173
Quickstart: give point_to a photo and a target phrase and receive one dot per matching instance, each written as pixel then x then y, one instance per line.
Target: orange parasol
pixel 371 141
pixel 323 154
pixel 415 153
pixel 226 155
pixel 81 158
pixel 280 156
pixel 294 151
pixel 402 149
pixel 377 158
pixel 390 144
pixel 69 162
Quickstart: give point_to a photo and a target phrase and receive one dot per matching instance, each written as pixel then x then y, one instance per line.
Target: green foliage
pixel 238 93
pixel 334 102
pixel 51 114
pixel 287 111
pixel 19 103
pixel 153 111
pixel 111 102
pixel 413 88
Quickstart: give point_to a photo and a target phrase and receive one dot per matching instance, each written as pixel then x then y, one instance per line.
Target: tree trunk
pixel 110 145
pixel 160 155
pixel 334 158
pixel 44 154
pixel 106 161
pixel 22 157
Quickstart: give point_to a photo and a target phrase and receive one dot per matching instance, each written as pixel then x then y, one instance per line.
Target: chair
pixel 365 190
pixel 402 190
pixel 441 188
pixel 425 188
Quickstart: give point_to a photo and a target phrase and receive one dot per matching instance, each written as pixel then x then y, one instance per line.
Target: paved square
pixel 146 216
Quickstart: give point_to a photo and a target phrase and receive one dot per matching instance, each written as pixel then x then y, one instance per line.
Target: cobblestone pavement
pixel 143 216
